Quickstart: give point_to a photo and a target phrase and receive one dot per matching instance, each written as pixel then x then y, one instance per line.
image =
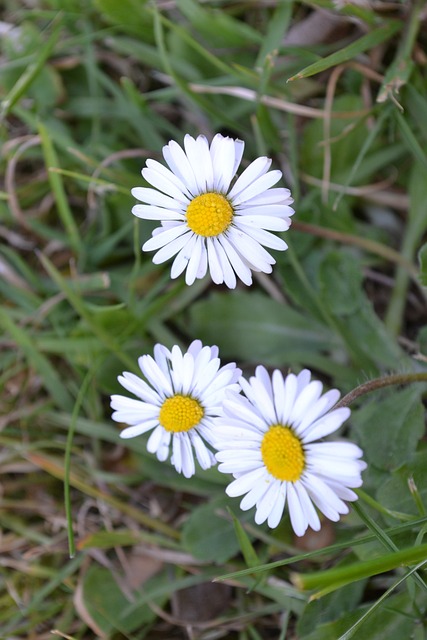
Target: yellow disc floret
pixel 282 453
pixel 180 413
pixel 209 214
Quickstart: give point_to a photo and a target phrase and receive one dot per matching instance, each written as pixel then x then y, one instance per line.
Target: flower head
pixel 206 222
pixel 178 402
pixel 268 441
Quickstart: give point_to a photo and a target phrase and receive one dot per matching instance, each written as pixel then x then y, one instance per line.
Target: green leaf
pixel 341 279
pixel 422 258
pixel 51 379
pixel 245 544
pixel 395 493
pixel 392 620
pixel 330 608
pixel 106 604
pixel 390 428
pixel 130 15
pixel 253 326
pixel 372 39
pixel 331 579
pixel 219 28
pixel 208 535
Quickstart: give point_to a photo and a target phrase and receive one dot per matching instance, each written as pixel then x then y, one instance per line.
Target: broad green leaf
pixel 395 492
pixel 106 603
pixel 422 258
pixel 254 327
pixel 330 608
pixel 341 279
pixel 389 427
pixel 208 535
pixel 391 621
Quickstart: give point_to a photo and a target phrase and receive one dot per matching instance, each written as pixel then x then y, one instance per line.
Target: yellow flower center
pixel 282 453
pixel 180 413
pixel 209 214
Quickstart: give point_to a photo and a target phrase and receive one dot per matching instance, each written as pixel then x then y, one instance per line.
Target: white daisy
pixel 178 403
pixel 204 222
pixel 268 442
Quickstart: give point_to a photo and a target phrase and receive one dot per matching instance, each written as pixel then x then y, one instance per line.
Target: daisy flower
pixel 268 441
pixel 177 401
pixel 206 222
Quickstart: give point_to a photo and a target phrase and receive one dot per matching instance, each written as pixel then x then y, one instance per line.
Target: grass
pixel 98 538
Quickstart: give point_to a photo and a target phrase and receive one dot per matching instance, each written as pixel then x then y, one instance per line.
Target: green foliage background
pixel 88 91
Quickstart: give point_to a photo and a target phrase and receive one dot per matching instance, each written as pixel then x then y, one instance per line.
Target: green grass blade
pixel 372 39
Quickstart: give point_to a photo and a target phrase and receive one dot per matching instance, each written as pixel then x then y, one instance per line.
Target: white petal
pixel 164 237
pixel 276 211
pixel 303 379
pixel 307 506
pixel 138 429
pixel 169 175
pixel 334 450
pixel 242 271
pixel 265 238
pixel 139 387
pixel 266 503
pixel 204 457
pixel 228 455
pixel 176 459
pixel 148 212
pixel 170 249
pixel 255 255
pixel 155 375
pixel 136 416
pixel 262 222
pixel 297 515
pixel 327 424
pixel 237 466
pixel 318 409
pixel 180 165
pixel 246 482
pixel 188 466
pixel 215 268
pixel 276 512
pixel 193 267
pixel 224 153
pixel 259 185
pixel 200 160
pixel 308 396
pixel 183 257
pixel 156 198
pixel 162 183
pixel 277 195
pixel 229 277
pixel 155 439
pixel 259 397
pixel 256 493
pixel 162 356
pixel 255 170
pixel 324 497
pixel 162 452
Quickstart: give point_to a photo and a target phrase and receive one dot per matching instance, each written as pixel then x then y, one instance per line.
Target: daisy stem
pixel 379 383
